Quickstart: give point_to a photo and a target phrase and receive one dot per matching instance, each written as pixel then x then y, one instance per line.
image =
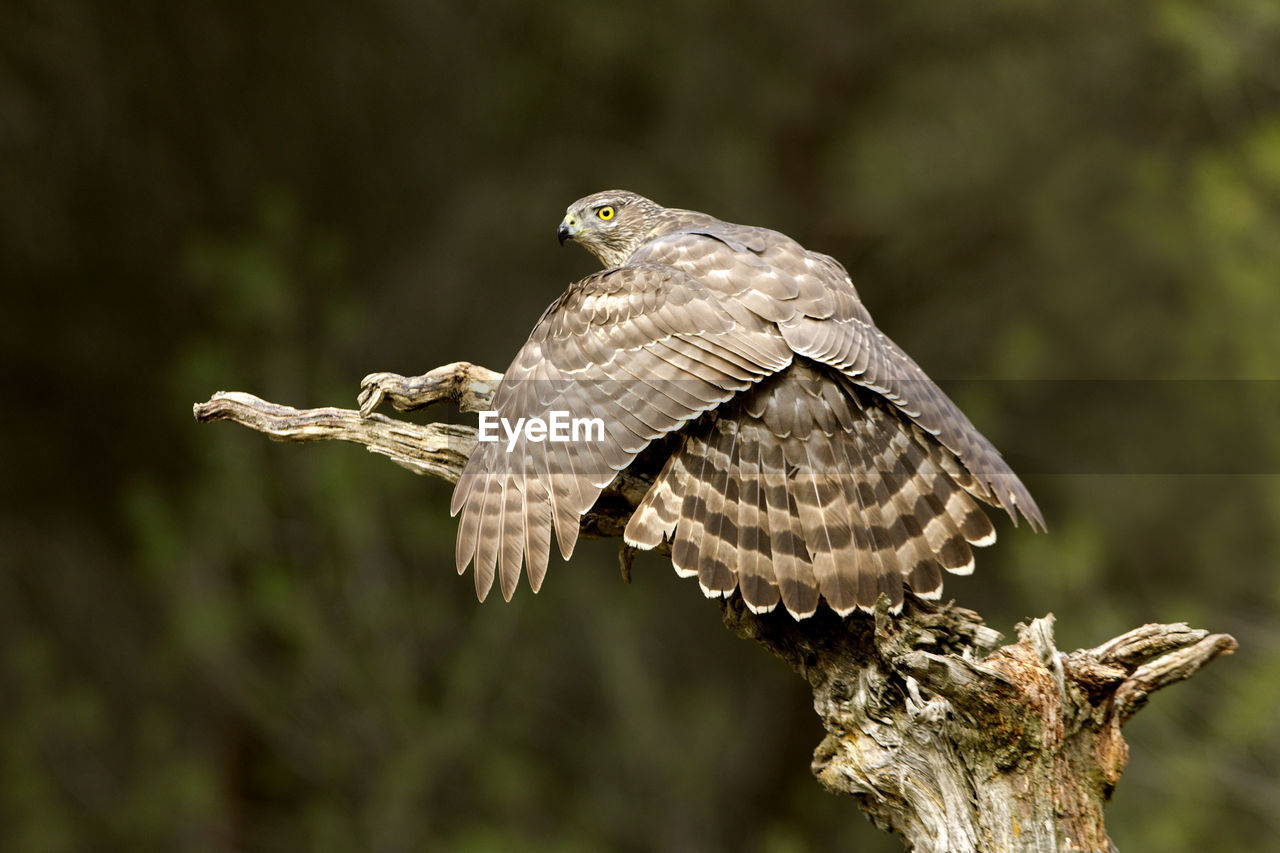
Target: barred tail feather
pixel 716 572
pixel 792 566
pixel 756 579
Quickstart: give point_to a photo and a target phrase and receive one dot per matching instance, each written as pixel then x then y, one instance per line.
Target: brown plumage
pixel 810 457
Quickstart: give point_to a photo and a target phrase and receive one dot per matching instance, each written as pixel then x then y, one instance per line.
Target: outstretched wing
pixel 817 310
pixel 645 349
pixel 848 341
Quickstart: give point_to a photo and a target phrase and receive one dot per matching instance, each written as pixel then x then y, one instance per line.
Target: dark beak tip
pixel 563 233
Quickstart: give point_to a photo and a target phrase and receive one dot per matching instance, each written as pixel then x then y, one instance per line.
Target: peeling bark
pixel 943 736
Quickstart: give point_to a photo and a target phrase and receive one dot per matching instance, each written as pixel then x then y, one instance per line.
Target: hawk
pixel 800 454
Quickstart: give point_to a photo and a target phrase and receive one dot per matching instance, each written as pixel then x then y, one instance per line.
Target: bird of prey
pixel 800 454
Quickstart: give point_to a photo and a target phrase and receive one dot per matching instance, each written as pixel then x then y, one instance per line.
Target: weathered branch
pixel 944 737
pixel 437 449
pixel 440 450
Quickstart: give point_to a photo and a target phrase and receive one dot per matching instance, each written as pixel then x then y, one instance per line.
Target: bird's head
pixel 611 225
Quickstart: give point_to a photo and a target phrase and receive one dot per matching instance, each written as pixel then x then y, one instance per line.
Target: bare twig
pixel 468 385
pixel 440 450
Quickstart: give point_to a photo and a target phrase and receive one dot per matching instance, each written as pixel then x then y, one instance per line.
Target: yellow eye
pixel 605 212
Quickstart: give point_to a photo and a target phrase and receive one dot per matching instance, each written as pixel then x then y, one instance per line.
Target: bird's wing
pixel 817 310
pixel 645 349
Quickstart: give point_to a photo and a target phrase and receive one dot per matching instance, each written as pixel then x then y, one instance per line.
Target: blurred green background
pixel 213 642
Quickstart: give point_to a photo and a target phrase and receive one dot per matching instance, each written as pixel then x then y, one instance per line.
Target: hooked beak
pixel 568 229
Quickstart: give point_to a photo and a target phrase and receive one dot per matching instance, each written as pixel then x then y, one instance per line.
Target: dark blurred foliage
pixel 214 642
